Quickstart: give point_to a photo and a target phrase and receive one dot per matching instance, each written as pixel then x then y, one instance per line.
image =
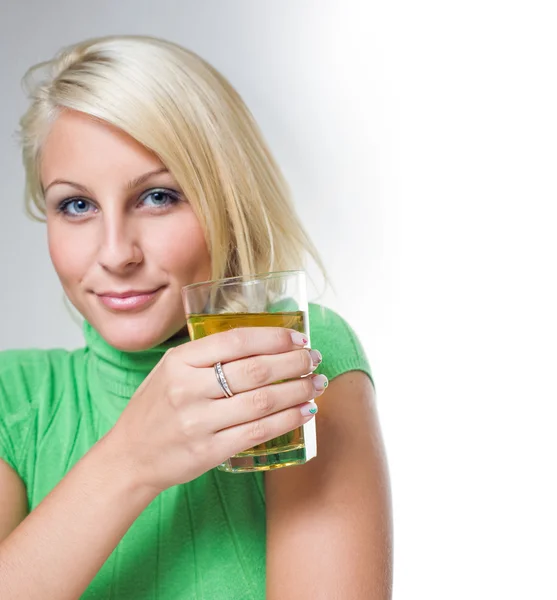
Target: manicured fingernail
pixel 309 409
pixel 299 338
pixel 316 357
pixel 320 382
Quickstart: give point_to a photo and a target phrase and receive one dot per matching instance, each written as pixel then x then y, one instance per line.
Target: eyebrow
pixel 131 185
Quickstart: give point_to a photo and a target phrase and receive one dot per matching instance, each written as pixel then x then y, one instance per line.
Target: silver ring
pixel 222 380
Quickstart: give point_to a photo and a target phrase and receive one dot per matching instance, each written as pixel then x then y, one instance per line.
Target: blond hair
pixel 178 106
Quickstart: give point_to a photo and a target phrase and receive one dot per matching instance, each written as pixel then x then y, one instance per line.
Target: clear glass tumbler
pixel 276 299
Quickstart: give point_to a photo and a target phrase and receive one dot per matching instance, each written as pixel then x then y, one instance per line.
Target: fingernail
pixel 299 338
pixel 309 409
pixel 320 382
pixel 316 357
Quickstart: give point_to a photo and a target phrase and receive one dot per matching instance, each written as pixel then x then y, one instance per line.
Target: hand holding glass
pixel 267 300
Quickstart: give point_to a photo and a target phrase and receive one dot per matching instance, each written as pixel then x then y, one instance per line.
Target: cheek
pixel 182 251
pixel 68 254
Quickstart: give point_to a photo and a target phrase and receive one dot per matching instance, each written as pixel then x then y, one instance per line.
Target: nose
pixel 119 250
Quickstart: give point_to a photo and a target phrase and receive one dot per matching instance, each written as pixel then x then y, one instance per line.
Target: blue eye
pixel 159 198
pixel 74 207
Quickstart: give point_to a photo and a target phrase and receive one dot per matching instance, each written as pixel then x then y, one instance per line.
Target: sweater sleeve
pixel 338 343
pixel 16 405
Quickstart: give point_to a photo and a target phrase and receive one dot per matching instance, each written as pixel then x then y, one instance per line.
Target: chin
pixel 135 333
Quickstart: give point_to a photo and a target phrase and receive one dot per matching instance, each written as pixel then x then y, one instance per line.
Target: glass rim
pixel 236 279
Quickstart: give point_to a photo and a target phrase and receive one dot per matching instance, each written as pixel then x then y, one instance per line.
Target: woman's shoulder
pixel 330 328
pixel 337 341
pixel 26 377
pixel 16 360
pixel 323 316
pixel 25 371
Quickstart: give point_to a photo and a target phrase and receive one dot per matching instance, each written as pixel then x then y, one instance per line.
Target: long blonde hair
pixel 178 106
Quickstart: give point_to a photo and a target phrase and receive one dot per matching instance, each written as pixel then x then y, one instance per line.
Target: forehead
pixel 79 145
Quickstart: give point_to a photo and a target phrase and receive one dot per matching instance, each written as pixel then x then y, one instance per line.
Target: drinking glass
pixel 277 299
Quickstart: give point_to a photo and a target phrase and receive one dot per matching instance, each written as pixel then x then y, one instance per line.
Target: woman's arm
pixel 13 500
pixel 57 550
pixel 329 522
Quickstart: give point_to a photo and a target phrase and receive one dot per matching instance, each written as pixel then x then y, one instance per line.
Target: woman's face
pixel 122 237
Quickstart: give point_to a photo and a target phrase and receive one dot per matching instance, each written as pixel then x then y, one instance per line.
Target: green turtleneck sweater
pixel 201 540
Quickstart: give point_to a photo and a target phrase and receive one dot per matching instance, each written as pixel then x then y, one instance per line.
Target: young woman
pixel 151 174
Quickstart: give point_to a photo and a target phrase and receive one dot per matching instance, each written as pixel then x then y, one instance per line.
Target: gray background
pixel 420 141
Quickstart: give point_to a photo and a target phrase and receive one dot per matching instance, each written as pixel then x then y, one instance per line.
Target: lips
pixel 128 293
pixel 128 300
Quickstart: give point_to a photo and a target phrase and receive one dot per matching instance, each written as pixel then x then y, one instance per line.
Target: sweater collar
pixel 119 373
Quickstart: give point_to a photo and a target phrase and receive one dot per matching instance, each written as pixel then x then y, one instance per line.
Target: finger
pixel 264 401
pixel 257 371
pixel 240 343
pixel 239 438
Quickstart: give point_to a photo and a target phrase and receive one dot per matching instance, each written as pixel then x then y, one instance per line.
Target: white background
pixel 420 140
